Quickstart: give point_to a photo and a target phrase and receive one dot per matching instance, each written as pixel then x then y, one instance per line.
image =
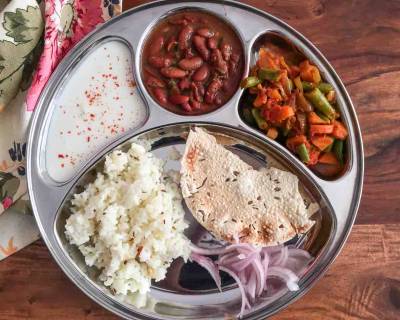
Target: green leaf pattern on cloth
pixel 24 25
pixel 17 57
pixel 21 44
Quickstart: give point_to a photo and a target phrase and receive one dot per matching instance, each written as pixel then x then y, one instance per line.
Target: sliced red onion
pixel 285 275
pixel 245 301
pixel 265 263
pixel 210 266
pixel 251 267
pixel 251 286
pixel 243 263
pixel 282 259
pixel 260 275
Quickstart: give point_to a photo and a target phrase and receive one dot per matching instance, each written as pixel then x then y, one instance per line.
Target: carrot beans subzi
pixel 293 105
pixel 192 62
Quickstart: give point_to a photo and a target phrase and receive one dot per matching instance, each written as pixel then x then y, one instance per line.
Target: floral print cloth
pixel 34 36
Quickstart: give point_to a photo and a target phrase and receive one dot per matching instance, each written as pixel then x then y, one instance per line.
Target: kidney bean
pixel 184 37
pixel 156 46
pixel 155 82
pixel 212 43
pixel 186 106
pixel 235 57
pixel 184 84
pixel 205 32
pixel 200 44
pixel 159 62
pixel 173 87
pixel 226 50
pixel 196 95
pixel 161 95
pixel 198 91
pixel 218 98
pixel 178 99
pixel 218 61
pixel 201 74
pixel 172 43
pixel 234 62
pixel 195 104
pixel 190 63
pixel 212 90
pixel 172 72
pixel 188 53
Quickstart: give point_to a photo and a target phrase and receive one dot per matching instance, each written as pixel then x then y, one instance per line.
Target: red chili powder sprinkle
pixel 61 156
pixel 89 129
pixel 88 139
pixel 62 165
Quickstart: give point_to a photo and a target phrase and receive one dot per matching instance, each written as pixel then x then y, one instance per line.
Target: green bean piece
pixel 261 123
pixel 290 85
pixel 303 153
pixel 338 150
pixel 248 117
pixel 320 102
pixel 249 82
pixel 307 86
pixel 325 87
pixel 268 74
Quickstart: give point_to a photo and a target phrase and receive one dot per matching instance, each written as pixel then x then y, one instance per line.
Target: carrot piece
pixel 278 114
pixel 329 158
pixel 321 129
pixel 273 93
pixel 272 133
pixel 261 98
pixel 314 155
pixel 308 72
pixel 313 118
pixel 295 141
pixel 322 142
pixel 339 130
pixel 266 60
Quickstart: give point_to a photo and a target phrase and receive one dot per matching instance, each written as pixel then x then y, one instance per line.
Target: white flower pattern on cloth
pixel 21 43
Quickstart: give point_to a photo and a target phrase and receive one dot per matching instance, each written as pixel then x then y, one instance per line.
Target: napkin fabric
pixel 34 37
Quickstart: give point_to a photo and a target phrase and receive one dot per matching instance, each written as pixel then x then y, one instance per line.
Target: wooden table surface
pixel 362 41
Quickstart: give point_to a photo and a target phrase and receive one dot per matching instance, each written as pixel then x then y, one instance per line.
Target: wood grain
pixel 363 283
pixel 361 40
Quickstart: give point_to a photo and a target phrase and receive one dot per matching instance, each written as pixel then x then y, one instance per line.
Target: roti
pixel 237 203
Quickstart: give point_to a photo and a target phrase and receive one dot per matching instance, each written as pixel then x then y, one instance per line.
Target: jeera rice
pixel 129 223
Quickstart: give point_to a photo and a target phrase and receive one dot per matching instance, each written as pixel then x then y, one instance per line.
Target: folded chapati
pixel 237 203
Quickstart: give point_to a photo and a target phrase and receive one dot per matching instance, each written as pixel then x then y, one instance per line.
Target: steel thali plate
pixel 338 198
